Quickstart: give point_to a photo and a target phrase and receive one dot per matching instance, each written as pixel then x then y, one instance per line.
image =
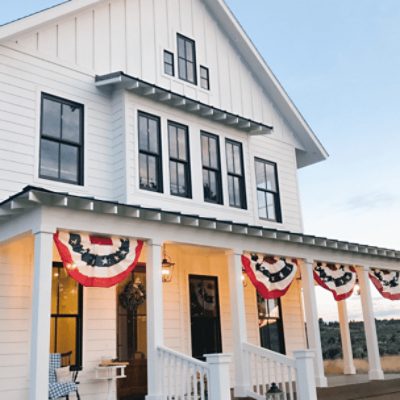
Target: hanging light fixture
pixel 167 267
pixel 274 393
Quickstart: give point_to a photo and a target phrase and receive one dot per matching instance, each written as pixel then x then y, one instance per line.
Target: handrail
pixel 189 359
pixel 272 355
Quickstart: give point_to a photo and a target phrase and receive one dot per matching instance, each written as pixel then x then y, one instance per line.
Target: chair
pixel 61 389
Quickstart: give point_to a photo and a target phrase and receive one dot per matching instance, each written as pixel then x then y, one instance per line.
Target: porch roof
pixel 31 197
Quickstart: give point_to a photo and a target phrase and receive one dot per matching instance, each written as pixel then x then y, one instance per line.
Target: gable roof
pixel 314 150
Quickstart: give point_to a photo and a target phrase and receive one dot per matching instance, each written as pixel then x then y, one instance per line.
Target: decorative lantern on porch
pixel 244 278
pixel 274 393
pixel 167 267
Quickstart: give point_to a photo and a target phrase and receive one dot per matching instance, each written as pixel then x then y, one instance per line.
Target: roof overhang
pixel 161 95
pixel 32 197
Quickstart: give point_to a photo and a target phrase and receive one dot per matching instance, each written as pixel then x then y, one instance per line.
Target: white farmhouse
pixel 148 192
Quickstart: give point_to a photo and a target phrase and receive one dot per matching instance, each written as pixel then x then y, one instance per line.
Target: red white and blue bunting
pixel 97 261
pixel 338 279
pixel 387 282
pixel 271 276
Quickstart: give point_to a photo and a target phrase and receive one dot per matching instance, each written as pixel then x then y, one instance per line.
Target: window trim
pixel 207 80
pixel 79 322
pixel 160 179
pixel 218 171
pixel 187 163
pixel 165 63
pixel 242 177
pixel 277 195
pixel 80 146
pixel 187 39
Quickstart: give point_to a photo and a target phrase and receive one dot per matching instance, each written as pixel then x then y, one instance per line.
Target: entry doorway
pixel 204 316
pixel 132 335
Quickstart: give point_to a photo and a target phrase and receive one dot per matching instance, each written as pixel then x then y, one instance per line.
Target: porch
pixel 199 248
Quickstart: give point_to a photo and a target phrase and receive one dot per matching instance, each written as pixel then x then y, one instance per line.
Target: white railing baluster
pixel 290 380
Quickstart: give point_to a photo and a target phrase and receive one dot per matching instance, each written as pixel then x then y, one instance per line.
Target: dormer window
pixel 187 59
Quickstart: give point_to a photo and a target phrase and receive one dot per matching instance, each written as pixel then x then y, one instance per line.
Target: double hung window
pixel 187 59
pixel 169 65
pixel 61 140
pixel 267 191
pixel 204 78
pixel 236 183
pixel 211 168
pixel 150 162
pixel 179 160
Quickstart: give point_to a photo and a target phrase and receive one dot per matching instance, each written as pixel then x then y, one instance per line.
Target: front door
pixel 132 335
pixel 204 316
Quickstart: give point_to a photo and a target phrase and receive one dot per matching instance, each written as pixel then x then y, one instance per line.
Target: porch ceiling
pixel 31 197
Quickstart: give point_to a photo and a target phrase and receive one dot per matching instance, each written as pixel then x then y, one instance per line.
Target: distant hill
pixel 388 337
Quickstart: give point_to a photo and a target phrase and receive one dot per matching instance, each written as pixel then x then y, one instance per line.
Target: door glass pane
pixel 71 120
pixel 66 336
pixel 54 291
pixel 68 294
pixel 49 158
pixel 51 118
pixel 69 163
pixel 53 335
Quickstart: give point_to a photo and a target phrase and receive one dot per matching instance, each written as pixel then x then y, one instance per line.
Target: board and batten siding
pixel 16 260
pixel 130 36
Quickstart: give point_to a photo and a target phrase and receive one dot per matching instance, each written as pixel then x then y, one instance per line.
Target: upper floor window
pixel 187 59
pixel 61 140
pixel 204 78
pixel 211 168
pixel 150 163
pixel 179 161
pixel 66 315
pixel 236 183
pixel 267 190
pixel 169 65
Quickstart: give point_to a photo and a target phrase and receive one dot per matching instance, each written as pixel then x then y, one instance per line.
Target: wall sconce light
pixel 167 267
pixel 244 278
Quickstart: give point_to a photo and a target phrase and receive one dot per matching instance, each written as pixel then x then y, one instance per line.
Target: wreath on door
pixel 133 295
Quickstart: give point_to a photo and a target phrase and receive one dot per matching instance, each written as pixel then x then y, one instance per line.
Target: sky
pixel 339 61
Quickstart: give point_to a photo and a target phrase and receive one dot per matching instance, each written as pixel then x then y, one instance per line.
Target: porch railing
pixel 293 376
pixel 183 377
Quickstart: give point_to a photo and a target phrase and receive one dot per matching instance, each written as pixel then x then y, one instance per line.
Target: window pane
pixel 66 336
pixel 260 175
pixel 143 178
pixel 181 47
pixel 172 142
pixel 71 121
pixel 271 206
pixel 173 177
pixel 229 157
pixel 204 149
pixel 54 291
pixel 270 170
pixel 182 147
pixel 206 185
pixel 143 138
pixel 51 118
pixel 53 335
pixel 182 69
pixel 262 206
pixel 49 158
pixel 236 189
pixel 69 163
pixel 213 186
pixel 153 136
pixel 231 191
pixel 68 294
pixel 181 179
pixel 237 159
pixel 190 51
pixel 190 73
pixel 213 153
pixel 152 182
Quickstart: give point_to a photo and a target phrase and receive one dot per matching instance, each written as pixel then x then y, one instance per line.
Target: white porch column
pixel 239 328
pixel 41 312
pixel 155 318
pixel 313 333
pixel 348 362
pixel 374 361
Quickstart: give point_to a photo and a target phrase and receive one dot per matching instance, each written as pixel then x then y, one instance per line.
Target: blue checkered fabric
pixel 56 389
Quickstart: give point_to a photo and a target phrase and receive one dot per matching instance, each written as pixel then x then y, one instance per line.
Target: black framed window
pixel 204 78
pixel 66 315
pixel 61 140
pixel 150 162
pixel 271 325
pixel 236 182
pixel 211 168
pixel 179 160
pixel 268 190
pixel 169 65
pixel 187 59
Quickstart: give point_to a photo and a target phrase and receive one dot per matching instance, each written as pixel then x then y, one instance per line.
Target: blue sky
pixel 339 61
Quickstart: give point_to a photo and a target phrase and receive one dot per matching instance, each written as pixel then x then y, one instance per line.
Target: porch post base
pixel 376 375
pixel 349 370
pixel 321 381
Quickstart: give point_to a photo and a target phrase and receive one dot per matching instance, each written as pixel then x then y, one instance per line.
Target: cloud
pixel 369 201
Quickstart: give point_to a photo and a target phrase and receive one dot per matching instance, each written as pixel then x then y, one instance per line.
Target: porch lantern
pixel 167 268
pixel 274 393
pixel 244 278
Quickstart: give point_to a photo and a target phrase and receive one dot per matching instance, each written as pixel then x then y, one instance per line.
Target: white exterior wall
pixel 16 260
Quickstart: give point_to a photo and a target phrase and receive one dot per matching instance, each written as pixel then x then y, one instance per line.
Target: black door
pixel 204 316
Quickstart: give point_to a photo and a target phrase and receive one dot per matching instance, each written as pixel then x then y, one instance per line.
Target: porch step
pixel 375 390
